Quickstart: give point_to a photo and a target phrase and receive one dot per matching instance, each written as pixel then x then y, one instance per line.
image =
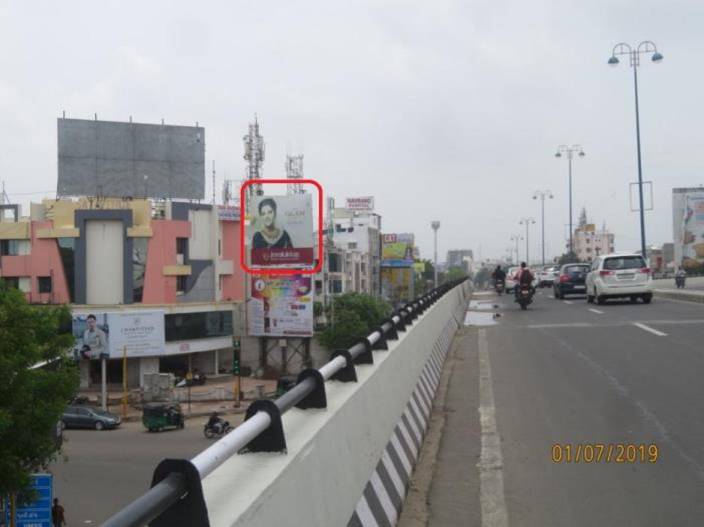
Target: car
pixel 510 282
pixel 548 275
pixel 619 275
pixel 82 416
pixel 571 280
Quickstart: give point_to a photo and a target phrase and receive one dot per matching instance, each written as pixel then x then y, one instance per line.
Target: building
pixel 590 242
pixel 176 261
pixel 359 232
pixel 463 258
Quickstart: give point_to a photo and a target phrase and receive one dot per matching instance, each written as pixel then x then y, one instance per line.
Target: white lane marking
pixel 650 330
pixel 596 311
pixel 568 302
pixel 491 479
pixel 551 296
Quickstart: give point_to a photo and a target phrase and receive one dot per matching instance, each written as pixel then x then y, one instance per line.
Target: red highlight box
pixel 279 270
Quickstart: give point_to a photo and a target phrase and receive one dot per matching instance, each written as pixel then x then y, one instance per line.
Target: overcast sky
pixel 447 110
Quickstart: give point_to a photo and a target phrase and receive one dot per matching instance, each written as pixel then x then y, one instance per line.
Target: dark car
pixel 81 416
pixel 571 280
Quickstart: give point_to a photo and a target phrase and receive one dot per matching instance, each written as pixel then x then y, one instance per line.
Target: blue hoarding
pixel 38 512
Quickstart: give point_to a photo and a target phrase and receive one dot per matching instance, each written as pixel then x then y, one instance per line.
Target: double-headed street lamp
pixel 542 194
pixel 516 238
pixel 570 151
pixel 527 222
pixel 634 55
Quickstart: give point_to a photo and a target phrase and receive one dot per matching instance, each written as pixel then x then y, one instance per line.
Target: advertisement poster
pixel 38 512
pixel 280 232
pixel 281 307
pixel 397 250
pixel 688 223
pixel 397 284
pixel 104 335
pixel 365 203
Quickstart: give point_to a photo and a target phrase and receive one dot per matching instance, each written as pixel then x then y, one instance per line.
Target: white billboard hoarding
pixel 688 223
pixel 281 307
pixel 362 203
pixel 105 335
pixel 280 231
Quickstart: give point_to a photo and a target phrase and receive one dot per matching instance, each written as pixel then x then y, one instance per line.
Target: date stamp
pixel 605 453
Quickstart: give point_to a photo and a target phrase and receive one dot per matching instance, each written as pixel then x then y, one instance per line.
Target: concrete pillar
pixel 84 370
pixel 216 357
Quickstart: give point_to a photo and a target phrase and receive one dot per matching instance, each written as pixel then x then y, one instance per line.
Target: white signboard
pixel 142 332
pixel 228 213
pixel 363 203
pixel 281 307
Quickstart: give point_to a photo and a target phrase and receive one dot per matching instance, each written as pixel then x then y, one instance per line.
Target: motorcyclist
pixel 215 422
pixel 523 276
pixel 680 277
pixel 499 275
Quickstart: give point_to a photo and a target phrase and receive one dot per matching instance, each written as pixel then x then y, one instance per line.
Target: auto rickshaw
pixel 158 416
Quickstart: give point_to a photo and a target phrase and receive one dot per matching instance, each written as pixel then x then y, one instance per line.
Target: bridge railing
pixel 176 495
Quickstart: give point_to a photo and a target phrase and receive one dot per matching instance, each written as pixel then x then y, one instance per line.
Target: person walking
pixel 58 518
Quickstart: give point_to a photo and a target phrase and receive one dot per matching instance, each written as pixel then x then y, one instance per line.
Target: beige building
pixel 590 242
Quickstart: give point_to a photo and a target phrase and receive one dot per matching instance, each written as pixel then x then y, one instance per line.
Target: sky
pixel 443 110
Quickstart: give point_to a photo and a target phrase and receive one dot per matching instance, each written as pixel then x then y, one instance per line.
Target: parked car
pixel 571 280
pixel 548 275
pixel 619 276
pixel 82 416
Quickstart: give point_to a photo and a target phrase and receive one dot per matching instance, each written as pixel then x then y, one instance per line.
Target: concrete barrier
pixel 347 464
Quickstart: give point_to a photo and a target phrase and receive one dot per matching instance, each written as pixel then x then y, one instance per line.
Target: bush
pixel 351 317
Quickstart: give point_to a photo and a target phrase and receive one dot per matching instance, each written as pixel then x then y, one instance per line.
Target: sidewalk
pixel 689 295
pixel 214 396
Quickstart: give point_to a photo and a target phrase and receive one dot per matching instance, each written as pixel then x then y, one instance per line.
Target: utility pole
pixel 570 151
pixel 542 194
pixel 435 226
pixel 527 222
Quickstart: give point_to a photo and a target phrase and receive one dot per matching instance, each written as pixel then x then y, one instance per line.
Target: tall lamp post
pixel 634 56
pixel 542 194
pixel 435 225
pixel 516 238
pixel 570 151
pixel 527 222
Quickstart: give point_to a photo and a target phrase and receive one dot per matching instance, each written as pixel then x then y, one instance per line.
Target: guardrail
pixel 176 496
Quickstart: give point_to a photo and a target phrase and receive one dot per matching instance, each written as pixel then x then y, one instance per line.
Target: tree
pixel 454 273
pixel 31 400
pixel 351 317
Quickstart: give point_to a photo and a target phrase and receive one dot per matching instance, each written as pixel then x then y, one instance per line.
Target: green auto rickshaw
pixel 158 416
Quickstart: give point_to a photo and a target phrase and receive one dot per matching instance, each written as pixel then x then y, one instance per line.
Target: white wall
pixel 104 262
pixel 201 241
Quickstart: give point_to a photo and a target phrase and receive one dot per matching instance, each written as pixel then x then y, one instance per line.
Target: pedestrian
pixel 57 514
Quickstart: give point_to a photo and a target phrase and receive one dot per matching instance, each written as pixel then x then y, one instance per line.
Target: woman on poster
pixel 270 236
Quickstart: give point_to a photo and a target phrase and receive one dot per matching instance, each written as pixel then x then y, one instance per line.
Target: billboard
pixel 365 203
pixel 105 158
pixel 280 230
pixel 688 225
pixel 397 284
pixel 281 307
pixel 105 335
pixel 228 213
pixel 397 250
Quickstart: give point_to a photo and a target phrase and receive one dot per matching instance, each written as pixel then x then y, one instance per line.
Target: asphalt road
pixel 572 373
pixel 105 471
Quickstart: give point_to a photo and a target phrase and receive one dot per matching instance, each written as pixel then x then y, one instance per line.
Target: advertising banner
pixel 397 284
pixel 397 250
pixel 688 215
pixel 281 307
pixel 280 231
pixel 105 335
pixel 365 203
pixel 228 213
pixel 38 512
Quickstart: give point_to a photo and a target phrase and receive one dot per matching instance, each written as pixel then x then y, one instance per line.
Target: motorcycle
pixel 217 431
pixel 525 296
pixel 499 285
pixel 679 281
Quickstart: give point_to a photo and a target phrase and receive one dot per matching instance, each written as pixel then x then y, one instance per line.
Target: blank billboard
pixel 130 159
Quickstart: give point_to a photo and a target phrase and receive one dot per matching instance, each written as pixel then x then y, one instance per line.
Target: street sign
pixel 38 512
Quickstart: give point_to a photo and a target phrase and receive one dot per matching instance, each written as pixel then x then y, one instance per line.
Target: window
pixel 12 282
pixel 44 284
pixel 181 284
pixel 624 262
pixel 9 247
pixel 182 247
pixel 352 245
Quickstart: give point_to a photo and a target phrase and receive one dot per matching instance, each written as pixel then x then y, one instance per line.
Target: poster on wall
pixel 280 231
pixel 281 307
pixel 397 250
pixel 105 335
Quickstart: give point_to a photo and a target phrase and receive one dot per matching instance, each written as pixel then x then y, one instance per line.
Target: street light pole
pixel 516 238
pixel 527 222
pixel 542 194
pixel 570 151
pixel 435 226
pixel 634 55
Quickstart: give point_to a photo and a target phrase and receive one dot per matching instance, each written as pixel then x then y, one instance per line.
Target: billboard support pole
pixel 124 381
pixel 104 384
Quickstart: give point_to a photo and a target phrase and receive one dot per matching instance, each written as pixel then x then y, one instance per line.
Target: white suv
pixel 619 276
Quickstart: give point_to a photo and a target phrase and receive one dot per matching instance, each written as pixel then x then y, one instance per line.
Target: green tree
pixel 454 273
pixel 351 317
pixel 31 400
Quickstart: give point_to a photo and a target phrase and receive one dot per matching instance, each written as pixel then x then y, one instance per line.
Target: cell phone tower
pixel 294 170
pixel 254 155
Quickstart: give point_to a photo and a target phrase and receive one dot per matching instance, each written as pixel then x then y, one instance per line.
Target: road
pixel 568 372
pixel 105 471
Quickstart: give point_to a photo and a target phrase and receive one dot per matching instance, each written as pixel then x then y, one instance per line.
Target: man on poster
pixel 95 342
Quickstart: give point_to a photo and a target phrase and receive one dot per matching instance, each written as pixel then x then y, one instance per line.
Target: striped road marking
pixel 596 311
pixel 650 330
